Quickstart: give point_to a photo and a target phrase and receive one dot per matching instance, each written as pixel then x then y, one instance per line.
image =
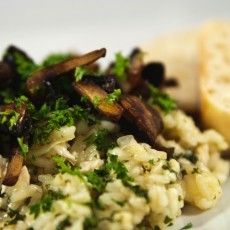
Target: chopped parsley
pixel 50 118
pixel 119 168
pixel 9 118
pixel 46 202
pixel 79 73
pixel 15 216
pixel 65 167
pixel 84 99
pixel 120 203
pixel 101 139
pixel 151 162
pixel 187 226
pixel 161 99
pixel 55 59
pixel 95 180
pixel 63 224
pixel 120 66
pixel 96 101
pixel 23 65
pixel 22 146
pixel 90 223
pixel 168 221
pixel 114 96
pixel 189 155
pixel 196 170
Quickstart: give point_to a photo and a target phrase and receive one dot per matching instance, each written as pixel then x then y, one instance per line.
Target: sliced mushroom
pixel 154 72
pixel 135 69
pixel 38 78
pixel 226 154
pixel 6 74
pixel 13 168
pixel 92 92
pixel 147 120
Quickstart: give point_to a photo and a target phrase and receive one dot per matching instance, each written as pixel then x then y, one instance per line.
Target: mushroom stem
pixel 93 91
pixel 13 168
pixel 36 80
pixel 147 120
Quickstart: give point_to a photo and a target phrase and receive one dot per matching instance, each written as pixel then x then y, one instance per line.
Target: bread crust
pixel 214 76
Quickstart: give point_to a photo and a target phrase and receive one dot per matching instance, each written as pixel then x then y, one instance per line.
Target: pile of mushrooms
pixel 130 108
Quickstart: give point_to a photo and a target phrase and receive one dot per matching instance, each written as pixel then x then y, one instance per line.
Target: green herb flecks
pixel 168 220
pixel 120 66
pixel 79 73
pixel 23 65
pixel 50 118
pixel 119 168
pixel 63 224
pixel 23 147
pixel 196 170
pixel 96 101
pixel 95 180
pixel 161 99
pixel 6 95
pixel 187 226
pixel 101 139
pixel 15 216
pixel 55 58
pixel 66 167
pixel 189 155
pixel 9 118
pixel 46 202
pixel 114 96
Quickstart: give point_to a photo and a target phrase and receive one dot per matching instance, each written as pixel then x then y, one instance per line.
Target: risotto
pixel 92 171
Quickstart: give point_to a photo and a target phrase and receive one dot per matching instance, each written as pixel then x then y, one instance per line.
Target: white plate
pixel 44 26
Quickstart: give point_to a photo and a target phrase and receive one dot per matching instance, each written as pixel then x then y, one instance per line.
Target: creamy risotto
pixel 78 165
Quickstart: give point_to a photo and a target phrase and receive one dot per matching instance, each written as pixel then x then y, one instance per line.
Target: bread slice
pixel 214 52
pixel 179 53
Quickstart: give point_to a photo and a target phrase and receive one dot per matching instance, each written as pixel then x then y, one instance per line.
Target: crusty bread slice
pixel 214 52
pixel 179 53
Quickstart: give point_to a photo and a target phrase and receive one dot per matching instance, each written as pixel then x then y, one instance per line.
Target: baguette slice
pixel 179 53
pixel 214 51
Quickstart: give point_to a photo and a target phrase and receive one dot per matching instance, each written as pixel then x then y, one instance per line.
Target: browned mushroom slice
pixel 92 92
pixel 13 168
pixel 6 74
pixel 146 119
pixel 34 82
pixel 135 68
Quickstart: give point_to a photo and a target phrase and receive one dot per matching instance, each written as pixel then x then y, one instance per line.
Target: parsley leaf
pixel 168 220
pixel 46 202
pixel 9 118
pixel 23 64
pixel 23 147
pixel 161 99
pixel 79 73
pixel 119 168
pixel 96 101
pixel 187 226
pixel 15 216
pixel 64 223
pixel 55 58
pixel 65 167
pixel 50 118
pixel 189 155
pixel 101 139
pixel 114 96
pixel 96 181
pixel 120 66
